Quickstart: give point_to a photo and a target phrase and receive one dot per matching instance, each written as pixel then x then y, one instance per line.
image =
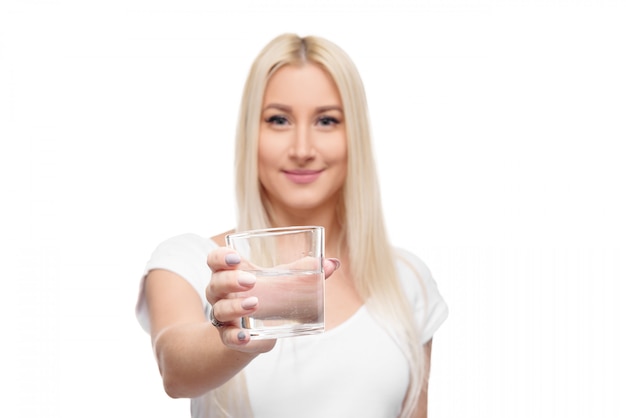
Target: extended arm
pixel 193 356
pixel 189 351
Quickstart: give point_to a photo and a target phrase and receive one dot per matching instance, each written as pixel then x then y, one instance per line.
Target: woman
pixel 303 157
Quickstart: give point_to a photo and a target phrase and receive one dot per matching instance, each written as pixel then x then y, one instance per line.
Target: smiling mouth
pixel 302 176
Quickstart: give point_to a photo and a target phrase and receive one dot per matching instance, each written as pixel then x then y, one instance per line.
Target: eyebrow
pixel 286 108
pixel 327 108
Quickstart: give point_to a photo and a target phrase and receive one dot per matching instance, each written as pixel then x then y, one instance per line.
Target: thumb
pixel 330 266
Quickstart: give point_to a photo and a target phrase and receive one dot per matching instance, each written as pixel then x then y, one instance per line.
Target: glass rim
pixel 275 231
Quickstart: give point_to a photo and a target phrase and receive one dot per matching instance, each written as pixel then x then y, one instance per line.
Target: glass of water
pixel 287 263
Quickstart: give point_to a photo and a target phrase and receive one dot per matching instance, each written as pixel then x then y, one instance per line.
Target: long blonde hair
pixel 360 211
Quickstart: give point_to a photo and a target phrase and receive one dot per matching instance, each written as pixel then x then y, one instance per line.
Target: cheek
pixel 336 150
pixel 266 159
pixel 271 145
pixel 264 152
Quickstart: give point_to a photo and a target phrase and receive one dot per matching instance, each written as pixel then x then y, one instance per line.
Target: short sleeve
pixel 429 307
pixel 185 255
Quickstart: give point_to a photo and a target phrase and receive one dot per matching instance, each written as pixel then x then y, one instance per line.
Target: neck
pixel 327 218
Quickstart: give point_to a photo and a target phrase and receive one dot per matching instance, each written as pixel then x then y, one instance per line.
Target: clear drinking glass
pixel 290 279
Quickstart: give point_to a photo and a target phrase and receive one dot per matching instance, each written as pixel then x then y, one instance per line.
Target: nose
pixel 302 148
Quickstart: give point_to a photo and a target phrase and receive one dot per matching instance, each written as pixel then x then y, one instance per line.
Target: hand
pixel 226 291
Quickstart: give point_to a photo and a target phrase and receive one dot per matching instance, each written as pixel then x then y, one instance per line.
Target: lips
pixel 302 176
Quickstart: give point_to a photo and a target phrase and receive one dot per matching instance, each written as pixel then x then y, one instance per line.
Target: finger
pixel 330 266
pixel 231 281
pixel 239 339
pixel 224 283
pixel 230 311
pixel 223 258
pixel 236 337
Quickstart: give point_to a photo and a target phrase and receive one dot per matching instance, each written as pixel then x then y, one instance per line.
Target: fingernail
pixel 336 262
pixel 241 336
pixel 250 302
pixel 246 279
pixel 232 259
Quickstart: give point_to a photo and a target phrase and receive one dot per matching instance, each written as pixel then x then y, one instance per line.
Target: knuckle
pixel 215 259
pixel 231 308
pixel 210 291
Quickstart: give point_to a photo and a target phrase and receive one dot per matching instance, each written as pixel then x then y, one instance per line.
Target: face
pixel 302 152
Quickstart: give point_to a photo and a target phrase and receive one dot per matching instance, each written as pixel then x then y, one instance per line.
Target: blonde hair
pixel 360 211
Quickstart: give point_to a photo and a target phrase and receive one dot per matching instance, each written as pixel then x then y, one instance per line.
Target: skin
pixel 302 131
pixel 302 165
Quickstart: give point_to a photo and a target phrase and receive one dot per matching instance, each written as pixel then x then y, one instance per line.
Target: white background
pixel 499 131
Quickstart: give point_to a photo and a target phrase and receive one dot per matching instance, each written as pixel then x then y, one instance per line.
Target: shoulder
pixel 186 242
pixel 185 255
pixel 422 292
pixel 178 251
pixel 413 272
pixel 406 260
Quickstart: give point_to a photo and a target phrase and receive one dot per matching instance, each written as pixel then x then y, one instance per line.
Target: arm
pixel 191 356
pixel 422 406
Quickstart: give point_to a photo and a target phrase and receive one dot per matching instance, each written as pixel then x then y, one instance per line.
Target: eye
pixel 327 121
pixel 277 120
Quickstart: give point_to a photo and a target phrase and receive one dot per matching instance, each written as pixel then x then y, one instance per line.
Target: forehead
pixel 307 83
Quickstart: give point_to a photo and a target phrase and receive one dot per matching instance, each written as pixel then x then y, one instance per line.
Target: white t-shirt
pixel 354 369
